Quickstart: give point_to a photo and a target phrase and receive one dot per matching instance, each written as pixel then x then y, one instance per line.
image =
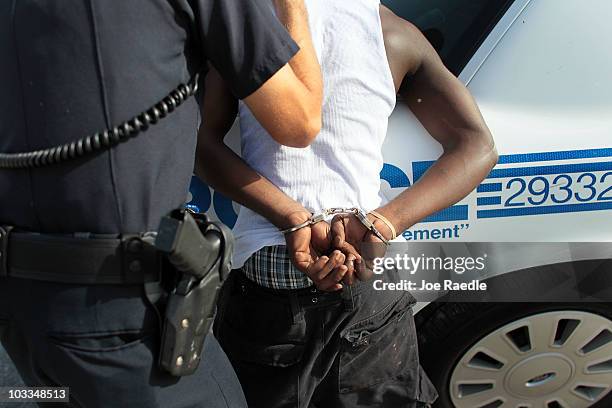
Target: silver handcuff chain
pixel 321 216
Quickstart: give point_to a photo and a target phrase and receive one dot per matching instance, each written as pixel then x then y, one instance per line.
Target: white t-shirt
pixel 341 168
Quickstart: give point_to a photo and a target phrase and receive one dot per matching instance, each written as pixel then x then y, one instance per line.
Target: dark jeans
pixel 102 342
pixel 305 348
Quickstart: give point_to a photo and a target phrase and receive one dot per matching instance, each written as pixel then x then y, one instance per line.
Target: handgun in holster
pixel 199 251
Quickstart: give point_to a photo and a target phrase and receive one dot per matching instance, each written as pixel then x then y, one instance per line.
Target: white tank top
pixel 341 167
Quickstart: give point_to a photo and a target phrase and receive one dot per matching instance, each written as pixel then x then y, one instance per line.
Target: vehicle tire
pixel 518 355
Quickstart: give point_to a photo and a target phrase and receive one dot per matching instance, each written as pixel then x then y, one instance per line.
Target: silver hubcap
pixel 560 359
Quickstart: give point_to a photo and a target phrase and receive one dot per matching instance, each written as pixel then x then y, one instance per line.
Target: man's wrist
pixel 387 223
pixel 293 218
pixel 381 227
pixel 401 220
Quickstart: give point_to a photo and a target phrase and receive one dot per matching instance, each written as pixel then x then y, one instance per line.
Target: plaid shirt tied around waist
pixel 271 267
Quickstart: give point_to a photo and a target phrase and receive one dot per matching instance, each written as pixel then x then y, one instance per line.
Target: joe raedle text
pixel 416 266
pixel 424 286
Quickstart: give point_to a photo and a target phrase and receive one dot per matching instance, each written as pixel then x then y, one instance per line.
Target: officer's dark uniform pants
pixel 102 342
pixel 307 349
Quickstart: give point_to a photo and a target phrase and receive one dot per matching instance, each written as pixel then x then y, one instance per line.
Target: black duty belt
pixel 130 259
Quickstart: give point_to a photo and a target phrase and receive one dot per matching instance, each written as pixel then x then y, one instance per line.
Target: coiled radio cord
pixel 105 140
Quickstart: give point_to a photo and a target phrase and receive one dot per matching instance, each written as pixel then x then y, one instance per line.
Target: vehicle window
pixel 456 28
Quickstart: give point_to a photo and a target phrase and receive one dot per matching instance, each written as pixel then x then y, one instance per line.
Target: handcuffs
pixel 321 216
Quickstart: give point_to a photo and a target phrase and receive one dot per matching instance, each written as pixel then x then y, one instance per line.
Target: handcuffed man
pixel 299 328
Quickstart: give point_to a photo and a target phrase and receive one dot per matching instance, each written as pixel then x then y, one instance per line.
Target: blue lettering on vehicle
pixel 506 192
pixel 539 190
pixel 202 199
pixel 548 189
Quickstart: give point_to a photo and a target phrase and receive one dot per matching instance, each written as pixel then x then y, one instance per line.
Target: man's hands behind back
pixel 313 254
pixel 330 255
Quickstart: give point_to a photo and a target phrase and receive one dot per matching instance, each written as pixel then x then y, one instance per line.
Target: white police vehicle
pixel 541 71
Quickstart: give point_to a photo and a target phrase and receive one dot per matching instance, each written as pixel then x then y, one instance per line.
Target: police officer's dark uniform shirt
pixel 70 68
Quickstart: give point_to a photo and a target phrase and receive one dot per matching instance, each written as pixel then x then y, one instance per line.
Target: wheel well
pixel 578 281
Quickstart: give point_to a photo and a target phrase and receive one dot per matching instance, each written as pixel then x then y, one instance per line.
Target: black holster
pixel 199 251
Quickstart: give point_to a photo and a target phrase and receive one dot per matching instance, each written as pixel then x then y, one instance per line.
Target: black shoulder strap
pixel 102 140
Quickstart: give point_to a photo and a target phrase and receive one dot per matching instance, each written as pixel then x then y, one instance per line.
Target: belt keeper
pixel 5 232
pixel 133 256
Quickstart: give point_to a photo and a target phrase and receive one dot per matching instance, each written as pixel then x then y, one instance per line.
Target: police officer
pixel 73 308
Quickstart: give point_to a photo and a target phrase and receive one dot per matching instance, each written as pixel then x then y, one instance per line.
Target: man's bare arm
pixel 226 172
pixel 449 113
pixel 288 105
